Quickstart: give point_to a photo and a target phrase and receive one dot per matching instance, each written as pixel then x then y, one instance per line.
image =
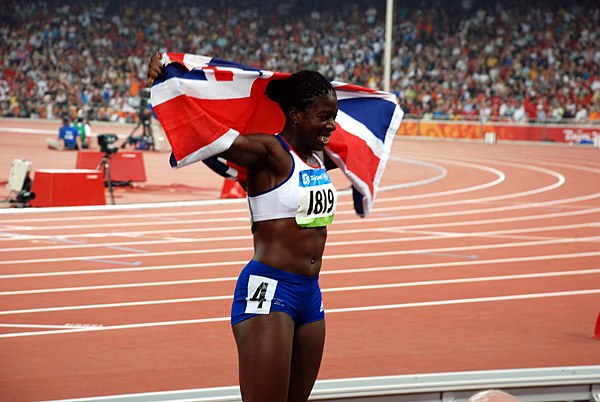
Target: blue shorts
pixel 261 289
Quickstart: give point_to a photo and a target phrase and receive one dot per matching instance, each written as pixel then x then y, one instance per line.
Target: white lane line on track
pixel 334 230
pixel 120 244
pixel 382 189
pixel 338 222
pixel 19 130
pixel 560 181
pixel 504 220
pixel 200 203
pixel 42 326
pixel 229 250
pixel 506 233
pixel 397 229
pixel 122 207
pixel 120 286
pixel 363 287
pixel 464 301
pixel 241 263
pixel 239 201
pixel 442 174
pixel 117 305
pixel 500 178
pixel 328 311
pixel 519 160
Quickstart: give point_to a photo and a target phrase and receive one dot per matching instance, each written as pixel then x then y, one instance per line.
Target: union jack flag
pixel 204 103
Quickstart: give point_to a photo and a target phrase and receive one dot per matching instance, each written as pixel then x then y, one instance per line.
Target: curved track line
pixel 463 301
pixel 18 130
pixel 441 170
pixel 154 215
pixel 528 156
pixel 324 290
pixel 560 180
pixel 241 263
pixel 337 221
pixel 500 177
pixel 333 231
pixel 121 207
pixel 326 257
pixel 198 203
pixel 176 240
pixel 328 311
pixel 477 211
pixel 504 220
pixel 337 289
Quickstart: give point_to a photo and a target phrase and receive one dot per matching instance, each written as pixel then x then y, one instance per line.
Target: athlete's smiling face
pixel 318 122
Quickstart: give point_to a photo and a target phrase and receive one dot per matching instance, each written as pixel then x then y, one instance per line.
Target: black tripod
pixel 104 165
pixel 21 198
pixel 146 139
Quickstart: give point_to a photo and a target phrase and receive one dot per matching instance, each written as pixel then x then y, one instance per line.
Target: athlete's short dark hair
pixel 299 90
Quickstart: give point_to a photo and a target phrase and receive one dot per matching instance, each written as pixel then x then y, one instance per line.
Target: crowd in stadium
pixel 509 60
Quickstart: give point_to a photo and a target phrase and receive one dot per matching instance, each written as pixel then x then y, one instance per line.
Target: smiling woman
pixel 277 313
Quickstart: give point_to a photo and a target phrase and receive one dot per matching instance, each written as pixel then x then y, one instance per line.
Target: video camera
pixel 108 143
pixel 145 95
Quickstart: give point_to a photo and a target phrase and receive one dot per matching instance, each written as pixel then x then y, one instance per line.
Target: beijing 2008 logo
pixel 305 179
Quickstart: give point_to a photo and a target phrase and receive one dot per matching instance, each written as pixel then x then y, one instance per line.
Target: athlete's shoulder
pixel 269 141
pixel 262 137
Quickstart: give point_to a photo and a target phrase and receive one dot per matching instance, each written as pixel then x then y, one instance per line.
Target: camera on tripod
pixel 144 98
pixel 145 141
pixel 108 143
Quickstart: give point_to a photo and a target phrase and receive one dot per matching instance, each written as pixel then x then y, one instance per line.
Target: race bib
pixel 260 294
pixel 317 199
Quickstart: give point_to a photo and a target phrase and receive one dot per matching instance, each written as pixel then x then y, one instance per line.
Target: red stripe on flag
pixel 177 58
pixel 221 75
pixel 357 155
pixel 187 126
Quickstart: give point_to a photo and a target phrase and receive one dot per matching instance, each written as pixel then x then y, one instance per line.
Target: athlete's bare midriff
pixel 282 244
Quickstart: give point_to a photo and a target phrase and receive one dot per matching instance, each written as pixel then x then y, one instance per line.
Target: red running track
pixel 475 257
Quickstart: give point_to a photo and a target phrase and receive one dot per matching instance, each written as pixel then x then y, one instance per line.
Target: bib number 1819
pixel 320 201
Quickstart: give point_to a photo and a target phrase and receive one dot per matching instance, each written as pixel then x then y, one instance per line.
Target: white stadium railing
pixel 555 384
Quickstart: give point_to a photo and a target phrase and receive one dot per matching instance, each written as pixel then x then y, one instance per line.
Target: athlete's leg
pixel 264 345
pixel 307 352
pixel 52 143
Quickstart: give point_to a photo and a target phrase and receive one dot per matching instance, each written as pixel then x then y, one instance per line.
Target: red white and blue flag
pixel 204 103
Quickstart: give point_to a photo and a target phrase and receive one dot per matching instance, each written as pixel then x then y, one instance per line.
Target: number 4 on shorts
pixel 260 294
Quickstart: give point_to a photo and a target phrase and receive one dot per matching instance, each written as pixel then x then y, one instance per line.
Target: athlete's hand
pixel 155 68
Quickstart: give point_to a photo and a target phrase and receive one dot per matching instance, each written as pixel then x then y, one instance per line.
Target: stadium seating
pixel 472 60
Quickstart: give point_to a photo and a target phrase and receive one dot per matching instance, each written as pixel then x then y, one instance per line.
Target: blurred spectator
pixel 582 115
pixel 595 113
pixel 68 137
pixel 492 395
pixel 85 131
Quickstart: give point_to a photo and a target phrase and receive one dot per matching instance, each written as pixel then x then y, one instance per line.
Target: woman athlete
pixel 277 313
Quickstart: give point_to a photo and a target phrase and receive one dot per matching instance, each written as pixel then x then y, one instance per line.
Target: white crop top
pixel 307 195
